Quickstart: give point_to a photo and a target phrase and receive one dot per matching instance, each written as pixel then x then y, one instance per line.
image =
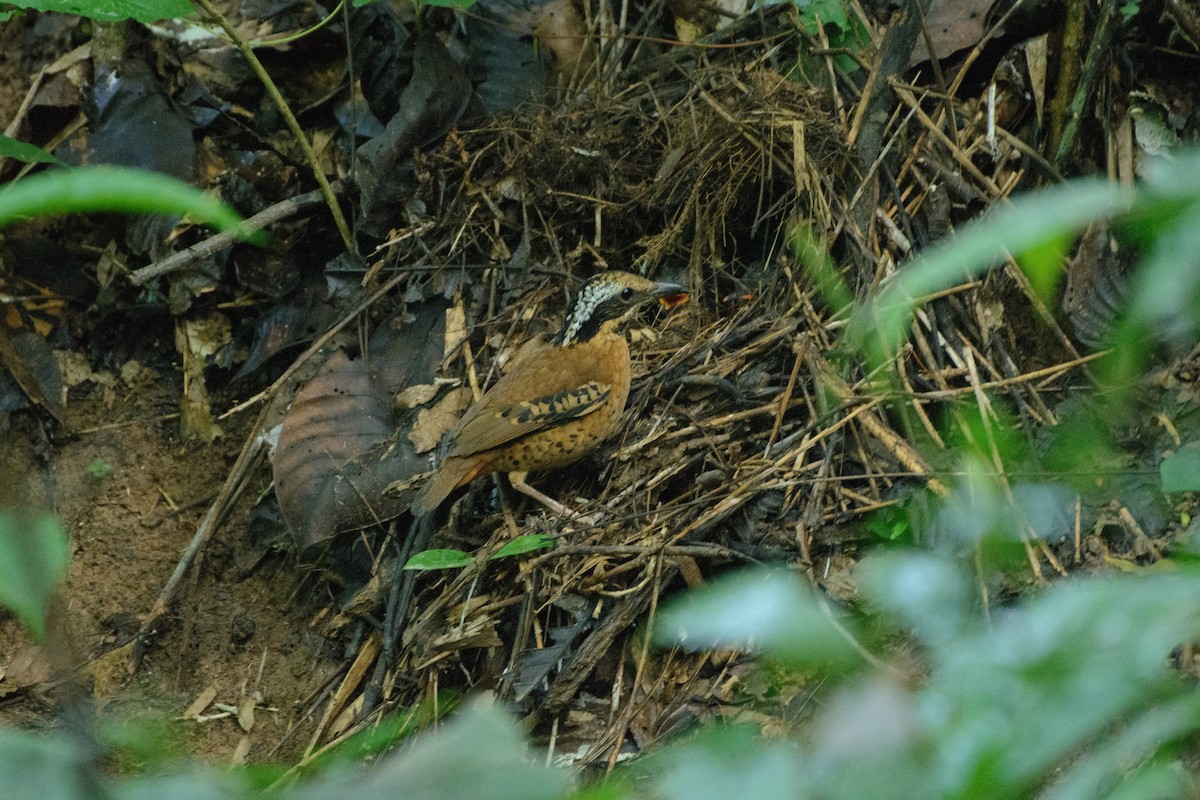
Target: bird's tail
pixel 452 473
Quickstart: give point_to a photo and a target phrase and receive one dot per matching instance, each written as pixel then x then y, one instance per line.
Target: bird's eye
pixel 627 294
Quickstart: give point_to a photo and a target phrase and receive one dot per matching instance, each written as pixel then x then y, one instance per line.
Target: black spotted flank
pixel 551 408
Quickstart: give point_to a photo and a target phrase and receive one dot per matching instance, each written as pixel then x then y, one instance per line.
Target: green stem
pixel 1097 56
pixel 292 123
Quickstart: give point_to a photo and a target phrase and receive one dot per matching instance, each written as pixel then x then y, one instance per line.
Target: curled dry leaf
pixel 29 667
pixel 197 340
pixel 415 396
pixel 432 423
pixel 245 710
pixel 341 443
pixel 30 361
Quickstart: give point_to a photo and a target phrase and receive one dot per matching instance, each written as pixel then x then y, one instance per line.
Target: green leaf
pixel 808 251
pixel 456 559
pixel 1032 221
pixel 450 3
pixel 478 755
pixel 106 188
pixel 24 151
pixel 33 558
pixel 929 595
pixel 1010 702
pixel 439 559
pixel 1166 287
pixel 722 762
pixel 114 10
pixel 1043 265
pixel 1180 471
pixel 762 610
pixel 46 767
pixel 1100 768
pixel 99 468
pixel 525 544
pixel 890 524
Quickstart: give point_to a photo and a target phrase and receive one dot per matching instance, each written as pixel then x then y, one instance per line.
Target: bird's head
pixel 609 298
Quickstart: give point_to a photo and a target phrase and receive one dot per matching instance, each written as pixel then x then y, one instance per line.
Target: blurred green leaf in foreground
pixel 89 189
pixel 114 10
pixel 33 559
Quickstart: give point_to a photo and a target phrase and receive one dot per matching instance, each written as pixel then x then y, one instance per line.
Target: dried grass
pixel 750 436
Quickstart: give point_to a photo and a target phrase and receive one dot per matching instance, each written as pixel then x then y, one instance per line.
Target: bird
pixel 558 401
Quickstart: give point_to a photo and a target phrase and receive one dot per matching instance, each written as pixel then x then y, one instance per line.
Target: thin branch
pixel 290 118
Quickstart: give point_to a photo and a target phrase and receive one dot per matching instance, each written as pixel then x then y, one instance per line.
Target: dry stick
pixel 1185 17
pixel 525 629
pixel 219 242
pixel 785 400
pixel 939 78
pixel 639 672
pixel 919 409
pixel 838 105
pixel 1033 155
pixel 346 689
pixel 14 125
pixel 1014 271
pixel 63 134
pixel 626 612
pixel 63 62
pixel 902 450
pixel 873 112
pixel 1051 373
pixel 744 130
pixel 959 157
pixel 251 450
pixel 342 737
pixel 293 124
pixel 246 461
pixel 646 551
pixel 1034 405
pixel 758 480
pixel 396 613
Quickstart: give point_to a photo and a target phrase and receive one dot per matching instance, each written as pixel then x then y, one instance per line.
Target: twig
pixel 290 118
pixel 214 244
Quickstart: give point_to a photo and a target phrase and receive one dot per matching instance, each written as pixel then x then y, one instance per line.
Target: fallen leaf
pixel 432 423
pixel 245 711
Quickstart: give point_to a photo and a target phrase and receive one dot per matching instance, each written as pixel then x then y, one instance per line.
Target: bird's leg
pixel 517 479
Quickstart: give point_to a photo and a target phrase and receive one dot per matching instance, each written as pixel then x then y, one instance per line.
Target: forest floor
pixel 515 170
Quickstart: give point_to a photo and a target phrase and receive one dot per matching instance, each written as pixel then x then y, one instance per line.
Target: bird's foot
pixel 573 517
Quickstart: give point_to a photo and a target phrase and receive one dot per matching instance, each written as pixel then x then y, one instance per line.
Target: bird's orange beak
pixel 671 294
pixel 669 301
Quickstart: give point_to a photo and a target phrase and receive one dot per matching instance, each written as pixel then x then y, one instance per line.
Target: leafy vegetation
pixel 33 558
pixel 90 189
pixel 114 10
pixel 1079 675
pixel 442 558
pixel 26 152
pixel 1070 693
